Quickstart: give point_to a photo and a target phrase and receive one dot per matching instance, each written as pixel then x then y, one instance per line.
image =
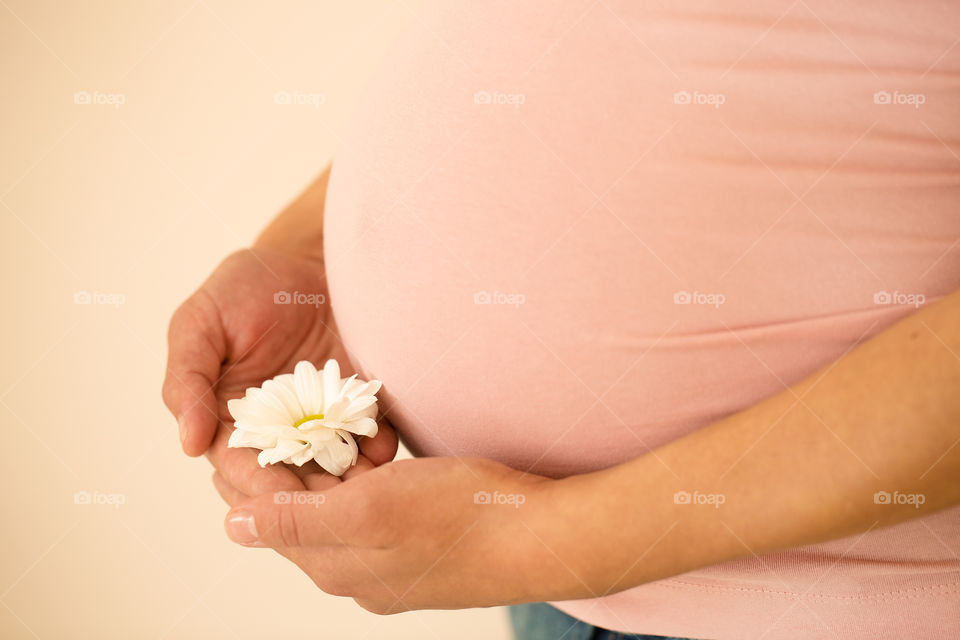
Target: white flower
pixel 306 415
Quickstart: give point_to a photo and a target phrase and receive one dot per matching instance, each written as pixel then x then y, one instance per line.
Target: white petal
pixel 265 408
pixel 321 429
pixel 309 387
pixel 268 456
pixel 286 396
pixel 372 388
pixel 330 464
pixel 283 450
pixel 352 444
pixel 338 456
pixel 359 405
pixel 239 408
pixel 321 437
pixel 351 385
pixel 278 430
pixel 241 438
pixel 302 458
pixel 336 411
pixel 331 384
pixel 362 427
pixel 247 409
pixel 357 388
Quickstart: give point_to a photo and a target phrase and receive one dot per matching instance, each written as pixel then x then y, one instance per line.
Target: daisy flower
pixel 306 415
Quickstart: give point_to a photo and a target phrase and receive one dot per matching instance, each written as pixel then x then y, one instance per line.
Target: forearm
pixel 798 468
pixel 298 229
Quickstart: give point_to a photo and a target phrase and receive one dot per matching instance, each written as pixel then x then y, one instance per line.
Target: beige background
pixel 134 204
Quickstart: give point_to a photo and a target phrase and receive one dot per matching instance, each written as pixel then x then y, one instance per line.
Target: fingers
pixel 313 477
pixel 291 519
pixel 227 491
pixel 239 467
pixel 233 497
pixel 195 350
pixel 381 448
pixel 320 481
pixel 363 465
pixel 308 469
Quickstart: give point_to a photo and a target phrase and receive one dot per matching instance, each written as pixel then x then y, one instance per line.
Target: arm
pixel 298 229
pixel 799 468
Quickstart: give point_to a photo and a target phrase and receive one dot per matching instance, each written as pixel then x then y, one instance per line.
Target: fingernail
pixel 183 430
pixel 242 529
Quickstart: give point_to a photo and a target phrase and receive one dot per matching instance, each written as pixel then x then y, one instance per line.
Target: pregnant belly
pixel 565 268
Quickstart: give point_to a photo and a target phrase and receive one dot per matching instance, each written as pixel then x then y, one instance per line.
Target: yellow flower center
pixel 315 416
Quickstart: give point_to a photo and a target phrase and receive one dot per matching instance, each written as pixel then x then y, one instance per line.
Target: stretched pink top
pixel 677 208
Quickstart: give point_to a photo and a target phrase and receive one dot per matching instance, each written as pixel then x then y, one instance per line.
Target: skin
pixel 229 335
pixel 801 467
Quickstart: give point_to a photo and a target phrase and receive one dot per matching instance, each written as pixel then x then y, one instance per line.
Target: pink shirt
pixel 677 209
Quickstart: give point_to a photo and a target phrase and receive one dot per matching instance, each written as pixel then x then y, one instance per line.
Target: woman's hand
pixel 414 534
pixel 240 328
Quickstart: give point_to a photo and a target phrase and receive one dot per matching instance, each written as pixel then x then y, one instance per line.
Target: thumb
pixel 288 519
pixel 196 349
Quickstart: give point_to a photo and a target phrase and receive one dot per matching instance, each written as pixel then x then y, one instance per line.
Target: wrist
pixel 298 229
pixel 291 241
pixel 626 526
pixel 568 527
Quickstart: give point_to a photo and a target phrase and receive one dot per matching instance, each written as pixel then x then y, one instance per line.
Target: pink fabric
pixel 593 188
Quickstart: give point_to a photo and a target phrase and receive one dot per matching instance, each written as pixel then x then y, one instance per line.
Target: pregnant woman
pixel 665 301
